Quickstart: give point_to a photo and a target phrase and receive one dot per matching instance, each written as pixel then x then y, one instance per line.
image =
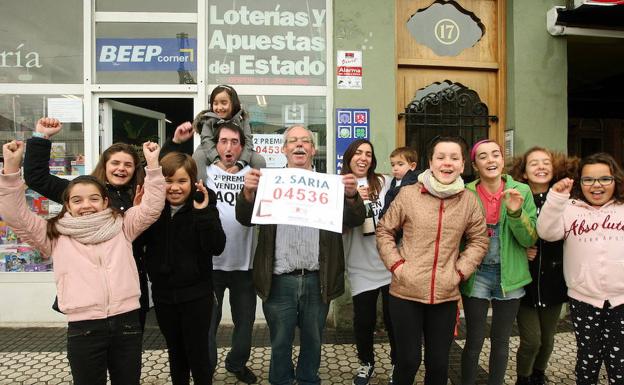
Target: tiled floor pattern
pixel 37 357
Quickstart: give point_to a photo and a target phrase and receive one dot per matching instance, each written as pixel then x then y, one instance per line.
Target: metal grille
pixel 451 111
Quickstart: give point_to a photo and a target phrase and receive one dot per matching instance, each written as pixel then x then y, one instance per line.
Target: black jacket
pixel 179 252
pixel 410 177
pixel 548 286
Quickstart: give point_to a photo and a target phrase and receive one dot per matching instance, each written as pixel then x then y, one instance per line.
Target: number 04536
pixel 300 194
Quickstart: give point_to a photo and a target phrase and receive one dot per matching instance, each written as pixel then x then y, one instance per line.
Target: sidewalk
pixel 37 356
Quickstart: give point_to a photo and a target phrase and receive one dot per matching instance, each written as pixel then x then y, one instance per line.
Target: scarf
pixel 91 229
pixel 440 190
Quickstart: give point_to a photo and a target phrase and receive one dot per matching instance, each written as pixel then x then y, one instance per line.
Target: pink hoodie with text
pixel 593 249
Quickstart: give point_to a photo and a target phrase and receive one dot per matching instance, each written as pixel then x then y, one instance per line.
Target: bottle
pixel 368 227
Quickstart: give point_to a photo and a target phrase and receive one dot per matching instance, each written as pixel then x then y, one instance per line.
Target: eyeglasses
pixel 603 180
pixel 295 139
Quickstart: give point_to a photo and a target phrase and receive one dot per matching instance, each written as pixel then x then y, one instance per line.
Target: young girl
pixel 224 106
pixel 540 308
pixel 180 246
pixel 435 215
pixel 590 224
pixel 367 274
pixel 500 279
pixel 96 279
pixel 118 169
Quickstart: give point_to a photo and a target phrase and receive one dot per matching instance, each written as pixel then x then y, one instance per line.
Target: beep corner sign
pixel 170 54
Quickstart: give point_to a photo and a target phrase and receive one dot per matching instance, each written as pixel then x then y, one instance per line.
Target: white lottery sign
pixel 293 196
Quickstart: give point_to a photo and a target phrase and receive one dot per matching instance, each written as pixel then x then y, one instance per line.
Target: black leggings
pixel 503 315
pixel 364 320
pixel 411 320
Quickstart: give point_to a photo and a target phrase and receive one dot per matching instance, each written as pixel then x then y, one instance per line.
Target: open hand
pixel 513 199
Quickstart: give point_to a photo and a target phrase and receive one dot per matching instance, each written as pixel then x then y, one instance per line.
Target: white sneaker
pixel 363 375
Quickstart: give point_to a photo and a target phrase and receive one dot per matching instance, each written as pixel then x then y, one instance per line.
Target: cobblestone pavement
pixel 37 356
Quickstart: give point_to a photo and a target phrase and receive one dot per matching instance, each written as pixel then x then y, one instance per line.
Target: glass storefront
pixel 42 42
pixel 274 54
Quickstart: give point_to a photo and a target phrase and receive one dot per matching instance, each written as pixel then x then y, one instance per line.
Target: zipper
pixel 539 276
pixel 106 284
pixel 437 250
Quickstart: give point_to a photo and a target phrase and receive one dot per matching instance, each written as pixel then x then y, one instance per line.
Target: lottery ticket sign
pixel 271 147
pixel 293 196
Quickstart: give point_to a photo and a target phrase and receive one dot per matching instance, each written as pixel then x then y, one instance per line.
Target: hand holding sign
pixel 297 197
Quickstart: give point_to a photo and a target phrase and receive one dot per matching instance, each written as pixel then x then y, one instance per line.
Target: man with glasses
pixel 298 270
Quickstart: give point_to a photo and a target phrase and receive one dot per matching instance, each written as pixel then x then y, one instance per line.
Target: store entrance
pixel 595 83
pixel 136 120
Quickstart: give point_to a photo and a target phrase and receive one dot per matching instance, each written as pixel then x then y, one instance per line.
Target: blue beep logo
pixel 146 54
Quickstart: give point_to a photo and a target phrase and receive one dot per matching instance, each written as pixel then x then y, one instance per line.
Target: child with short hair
pixel 403 161
pixel 179 251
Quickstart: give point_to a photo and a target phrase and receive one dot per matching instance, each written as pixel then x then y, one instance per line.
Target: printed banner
pixel 294 196
pixel 146 54
pixel 271 147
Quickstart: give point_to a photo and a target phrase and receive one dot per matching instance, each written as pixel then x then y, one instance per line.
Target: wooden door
pixel 479 67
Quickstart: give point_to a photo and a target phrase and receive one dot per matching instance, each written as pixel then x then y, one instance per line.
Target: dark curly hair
pixel 614 167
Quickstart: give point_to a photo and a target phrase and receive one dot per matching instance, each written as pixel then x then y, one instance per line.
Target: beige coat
pixel 433 229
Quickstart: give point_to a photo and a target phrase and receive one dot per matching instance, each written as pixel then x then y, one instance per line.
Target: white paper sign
pixel 294 196
pixel 349 70
pixel 66 110
pixel 271 147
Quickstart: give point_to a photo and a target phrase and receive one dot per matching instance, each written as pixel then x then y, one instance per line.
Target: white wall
pixel 27 298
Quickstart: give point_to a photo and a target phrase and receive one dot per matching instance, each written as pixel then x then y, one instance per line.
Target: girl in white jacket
pixel 592 227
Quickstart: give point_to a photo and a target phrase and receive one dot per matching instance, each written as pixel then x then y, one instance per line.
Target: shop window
pixel 42 41
pixel 262 42
pixel 270 115
pixel 18 117
pixel 146 6
pixel 146 53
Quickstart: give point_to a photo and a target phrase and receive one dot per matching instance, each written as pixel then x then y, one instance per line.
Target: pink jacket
pixel 92 281
pixel 593 248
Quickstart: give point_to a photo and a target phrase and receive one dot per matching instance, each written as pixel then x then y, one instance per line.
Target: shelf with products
pixel 15 254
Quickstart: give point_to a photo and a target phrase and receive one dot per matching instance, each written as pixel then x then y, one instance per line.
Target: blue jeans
pixel 243 306
pixel 487 284
pixel 295 301
pixel 112 343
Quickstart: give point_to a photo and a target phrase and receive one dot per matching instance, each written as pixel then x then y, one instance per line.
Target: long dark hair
pixel 51 230
pixel 563 166
pixel 373 179
pixel 234 100
pixel 100 168
pixel 614 167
